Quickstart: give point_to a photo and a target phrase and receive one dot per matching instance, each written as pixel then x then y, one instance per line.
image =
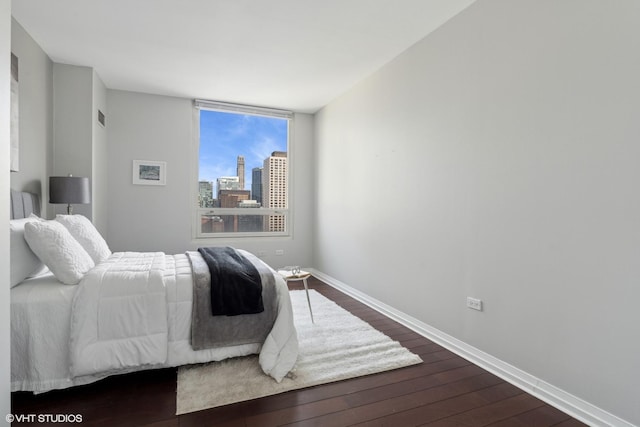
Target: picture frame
pixel 14 124
pixel 149 172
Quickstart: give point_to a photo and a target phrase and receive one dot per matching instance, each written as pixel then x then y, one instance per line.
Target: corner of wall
pixel 5 359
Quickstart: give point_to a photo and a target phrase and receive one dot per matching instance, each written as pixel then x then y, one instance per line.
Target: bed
pixel 129 311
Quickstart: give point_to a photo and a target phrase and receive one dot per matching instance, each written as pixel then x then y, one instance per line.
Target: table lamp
pixel 69 189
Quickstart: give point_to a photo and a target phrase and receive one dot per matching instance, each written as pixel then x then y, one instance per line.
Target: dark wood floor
pixel 445 390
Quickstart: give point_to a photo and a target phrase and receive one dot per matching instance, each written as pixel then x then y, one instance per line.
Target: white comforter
pixel 132 312
pixel 119 315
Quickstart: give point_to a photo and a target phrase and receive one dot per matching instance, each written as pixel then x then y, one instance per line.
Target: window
pixel 243 170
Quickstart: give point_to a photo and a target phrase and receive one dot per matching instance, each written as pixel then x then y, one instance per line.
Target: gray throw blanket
pixel 209 331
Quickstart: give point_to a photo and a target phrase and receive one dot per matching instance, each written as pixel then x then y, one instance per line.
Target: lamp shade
pixel 69 189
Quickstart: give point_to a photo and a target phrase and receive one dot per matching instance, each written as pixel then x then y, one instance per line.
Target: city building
pixel 256 184
pixel 274 188
pixel 240 171
pixel 227 183
pixel 205 194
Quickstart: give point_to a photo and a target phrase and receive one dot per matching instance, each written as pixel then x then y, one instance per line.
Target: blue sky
pixel 225 136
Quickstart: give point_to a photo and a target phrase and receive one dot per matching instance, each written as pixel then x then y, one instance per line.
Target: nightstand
pixel 290 276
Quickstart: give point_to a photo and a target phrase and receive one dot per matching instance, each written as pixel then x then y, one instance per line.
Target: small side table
pixel 288 276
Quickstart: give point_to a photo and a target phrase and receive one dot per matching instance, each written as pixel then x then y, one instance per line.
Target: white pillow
pixel 57 248
pixel 24 263
pixel 86 234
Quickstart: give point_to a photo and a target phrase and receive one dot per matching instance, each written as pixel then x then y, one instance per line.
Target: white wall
pixel 36 114
pixel 72 124
pixel 498 158
pixel 79 142
pixel 99 155
pixel 147 127
pixel 147 218
pixel 5 83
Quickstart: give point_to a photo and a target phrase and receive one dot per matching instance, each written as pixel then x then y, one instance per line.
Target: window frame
pixel 198 212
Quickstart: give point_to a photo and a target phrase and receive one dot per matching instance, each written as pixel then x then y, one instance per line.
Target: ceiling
pixel 291 54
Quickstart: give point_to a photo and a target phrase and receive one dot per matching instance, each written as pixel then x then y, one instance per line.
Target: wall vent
pixel 101 118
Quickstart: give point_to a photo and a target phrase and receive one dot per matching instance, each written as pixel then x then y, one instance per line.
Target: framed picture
pixel 149 172
pixel 15 138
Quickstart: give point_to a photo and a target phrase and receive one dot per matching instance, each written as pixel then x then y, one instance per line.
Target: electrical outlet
pixel 279 251
pixel 474 303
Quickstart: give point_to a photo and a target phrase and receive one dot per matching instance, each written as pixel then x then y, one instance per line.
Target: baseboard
pixel 566 402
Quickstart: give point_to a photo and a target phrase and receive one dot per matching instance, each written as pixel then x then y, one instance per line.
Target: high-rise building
pixel 240 171
pixel 232 198
pixel 256 184
pixel 205 194
pixel 227 183
pixel 275 188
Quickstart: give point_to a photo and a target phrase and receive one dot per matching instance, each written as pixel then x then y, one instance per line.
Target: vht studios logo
pixel 44 418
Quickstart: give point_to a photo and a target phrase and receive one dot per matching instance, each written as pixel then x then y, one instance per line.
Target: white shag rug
pixel 338 346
